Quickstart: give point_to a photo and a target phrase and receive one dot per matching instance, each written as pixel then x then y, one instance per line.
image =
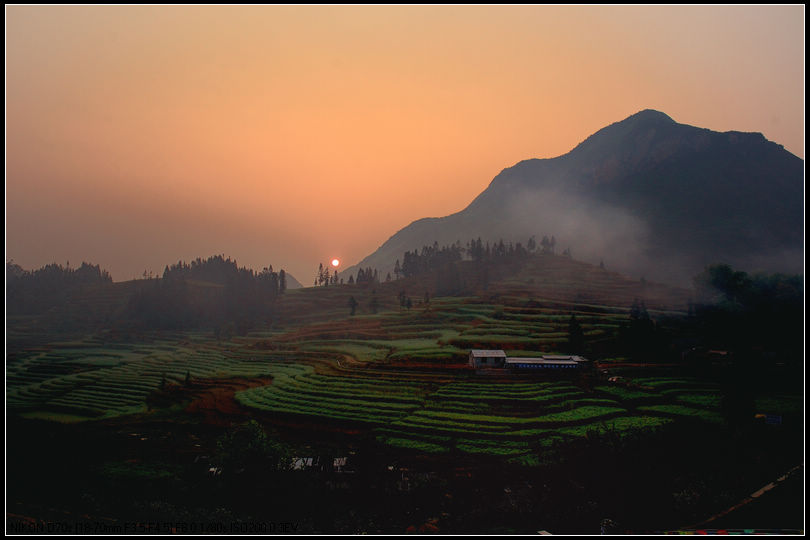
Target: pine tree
pixel 282 281
pixel 374 304
pixel 576 337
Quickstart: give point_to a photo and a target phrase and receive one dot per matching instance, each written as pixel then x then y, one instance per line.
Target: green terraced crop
pixel 412 444
pixel 573 415
pixel 680 410
pixel 779 405
pixel 701 400
pixel 623 393
pixel 619 424
pixel 487 448
pixel 413 434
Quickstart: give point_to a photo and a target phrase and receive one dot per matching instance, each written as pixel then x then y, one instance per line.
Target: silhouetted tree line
pixel 324 278
pixel 576 336
pixel 433 257
pixel 450 264
pixel 365 276
pixel 429 259
pixel 226 297
pixel 754 321
pixel 750 313
pixel 218 269
pixel 30 291
pixel 641 338
pixel 479 251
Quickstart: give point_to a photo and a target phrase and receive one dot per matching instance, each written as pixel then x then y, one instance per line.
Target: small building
pixel 545 362
pixel 488 359
pixel 481 358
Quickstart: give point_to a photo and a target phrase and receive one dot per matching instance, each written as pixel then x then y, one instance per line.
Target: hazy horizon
pixel 138 136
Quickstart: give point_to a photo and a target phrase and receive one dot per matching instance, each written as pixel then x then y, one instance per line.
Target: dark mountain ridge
pixel 648 196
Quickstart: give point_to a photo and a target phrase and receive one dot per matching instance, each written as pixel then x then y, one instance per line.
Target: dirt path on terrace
pixel 217 403
pixel 214 399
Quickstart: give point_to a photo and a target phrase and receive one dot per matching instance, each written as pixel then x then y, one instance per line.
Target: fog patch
pixel 594 231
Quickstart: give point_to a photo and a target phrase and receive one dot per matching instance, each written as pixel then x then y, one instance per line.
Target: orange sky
pixel 138 136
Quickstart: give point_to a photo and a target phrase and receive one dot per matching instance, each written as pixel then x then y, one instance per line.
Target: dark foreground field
pixel 151 475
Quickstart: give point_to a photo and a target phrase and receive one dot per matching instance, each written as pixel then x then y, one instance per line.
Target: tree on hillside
pixel 374 304
pixel 721 282
pixel 576 337
pixel 742 312
pixel 282 281
pixel 353 305
pixel 640 335
pixel 246 448
pixel 638 311
pixel 545 244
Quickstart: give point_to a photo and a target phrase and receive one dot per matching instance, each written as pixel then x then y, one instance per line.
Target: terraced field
pixel 400 374
pixel 513 419
pixel 89 379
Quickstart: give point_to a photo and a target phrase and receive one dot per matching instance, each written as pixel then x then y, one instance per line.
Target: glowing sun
pixel 335 263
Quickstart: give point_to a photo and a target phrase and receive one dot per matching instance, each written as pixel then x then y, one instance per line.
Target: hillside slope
pixel 648 196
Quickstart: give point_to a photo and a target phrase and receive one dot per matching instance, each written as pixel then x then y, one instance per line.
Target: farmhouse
pixel 545 362
pixel 485 358
pixel 480 358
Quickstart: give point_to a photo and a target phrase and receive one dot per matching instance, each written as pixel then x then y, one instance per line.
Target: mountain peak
pixel 650 116
pixel 641 121
pixel 636 135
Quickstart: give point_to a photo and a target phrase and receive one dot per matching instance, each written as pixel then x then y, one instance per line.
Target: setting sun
pixel 335 263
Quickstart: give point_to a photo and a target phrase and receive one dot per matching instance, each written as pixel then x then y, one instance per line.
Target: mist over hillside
pixel 648 196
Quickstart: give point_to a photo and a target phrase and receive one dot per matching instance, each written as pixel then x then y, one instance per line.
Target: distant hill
pixel 648 196
pixel 212 293
pixel 293 283
pixel 553 281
